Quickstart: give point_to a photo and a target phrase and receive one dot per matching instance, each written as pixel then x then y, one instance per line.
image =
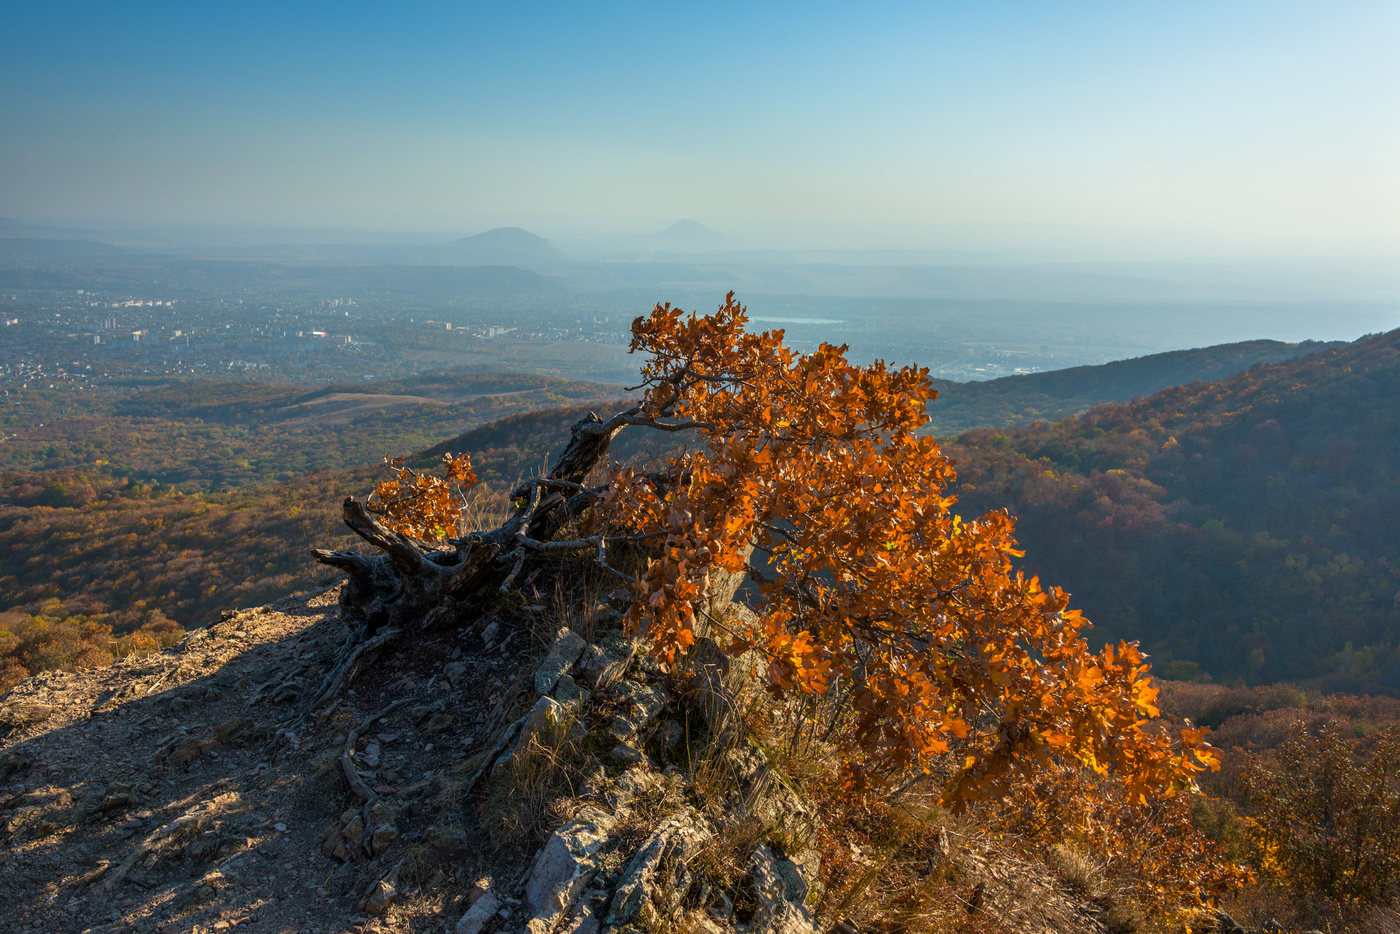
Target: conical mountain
pixel 690 235
pixel 501 246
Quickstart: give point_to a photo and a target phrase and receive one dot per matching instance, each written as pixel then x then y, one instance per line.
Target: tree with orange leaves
pixel 814 482
pixel 422 505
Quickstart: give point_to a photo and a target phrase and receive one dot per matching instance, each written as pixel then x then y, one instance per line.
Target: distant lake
pixel 798 320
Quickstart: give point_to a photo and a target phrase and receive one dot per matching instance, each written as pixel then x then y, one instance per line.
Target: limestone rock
pixel 383 829
pixel 370 759
pixel 209 884
pixel 675 840
pixel 567 691
pixel 794 883
pixel 546 717
pixel 569 861
pixel 801 875
pixel 644 703
pixel 777 914
pixel 382 893
pixel 186 750
pixel 380 897
pixel 231 730
pixel 567 647
pixel 481 911
pixel 479 888
pixel 754 789
pixel 22 818
pixel 345 841
pixel 115 800
pixel 586 916
pixel 626 752
pixel 603 664
pixel 627 786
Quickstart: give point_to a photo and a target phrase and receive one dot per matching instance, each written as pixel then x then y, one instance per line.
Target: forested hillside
pixel 206 436
pixel 129 516
pixel 1019 400
pixel 1248 528
pixel 1245 528
pixel 93 566
pixel 86 561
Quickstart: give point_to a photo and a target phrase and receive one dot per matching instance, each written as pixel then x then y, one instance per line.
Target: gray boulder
pixel 565 650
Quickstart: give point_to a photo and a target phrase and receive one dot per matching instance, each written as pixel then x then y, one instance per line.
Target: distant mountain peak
pixel 508 236
pixel 691 233
pixel 689 226
pixel 508 246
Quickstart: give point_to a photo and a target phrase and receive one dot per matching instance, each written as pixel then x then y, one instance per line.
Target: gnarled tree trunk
pixel 404 587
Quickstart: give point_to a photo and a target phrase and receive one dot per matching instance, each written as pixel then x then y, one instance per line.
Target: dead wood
pixel 399 588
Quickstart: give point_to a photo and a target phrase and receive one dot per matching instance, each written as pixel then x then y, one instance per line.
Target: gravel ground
pixel 187 791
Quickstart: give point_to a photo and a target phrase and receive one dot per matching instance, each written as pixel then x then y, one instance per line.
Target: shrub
pixel 1326 820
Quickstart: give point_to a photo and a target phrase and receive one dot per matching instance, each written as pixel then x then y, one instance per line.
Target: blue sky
pixel 1235 125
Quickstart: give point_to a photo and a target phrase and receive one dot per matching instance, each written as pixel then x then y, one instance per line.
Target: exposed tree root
pixel 347 757
pixel 405 588
pixel 341 675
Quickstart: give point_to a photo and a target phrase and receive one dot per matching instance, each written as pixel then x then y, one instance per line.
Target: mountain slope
pixel 506 450
pixel 1250 526
pixel 1019 400
pixel 689 235
pixel 501 246
pixel 195 789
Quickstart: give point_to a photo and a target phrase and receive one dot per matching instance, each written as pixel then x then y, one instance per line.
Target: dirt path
pixel 184 791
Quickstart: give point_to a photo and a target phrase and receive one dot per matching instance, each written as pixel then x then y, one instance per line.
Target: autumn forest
pixel 1239 533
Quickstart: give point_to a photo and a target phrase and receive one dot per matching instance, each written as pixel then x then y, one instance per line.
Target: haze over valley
pixel 514 301
pixel 897 468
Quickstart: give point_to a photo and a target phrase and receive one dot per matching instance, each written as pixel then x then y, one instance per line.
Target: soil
pixel 188 791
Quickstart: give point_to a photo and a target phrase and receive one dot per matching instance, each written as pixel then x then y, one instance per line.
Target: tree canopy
pixel 812 480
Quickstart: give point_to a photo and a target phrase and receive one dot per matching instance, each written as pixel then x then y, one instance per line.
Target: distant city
pixel 84 336
pixel 79 312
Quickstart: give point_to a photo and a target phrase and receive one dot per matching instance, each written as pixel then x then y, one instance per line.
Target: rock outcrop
pixel 489 782
pixel 193 790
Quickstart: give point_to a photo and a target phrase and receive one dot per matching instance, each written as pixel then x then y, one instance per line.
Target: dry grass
pixel 483 510
pixel 536 789
pixel 725 856
pixel 1084 874
pixel 575 597
pixel 642 816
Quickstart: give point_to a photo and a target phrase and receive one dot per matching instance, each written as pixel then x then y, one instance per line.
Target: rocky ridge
pixel 188 791
pixel 529 770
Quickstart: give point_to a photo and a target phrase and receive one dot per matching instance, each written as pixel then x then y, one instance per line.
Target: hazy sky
pixel 1223 123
